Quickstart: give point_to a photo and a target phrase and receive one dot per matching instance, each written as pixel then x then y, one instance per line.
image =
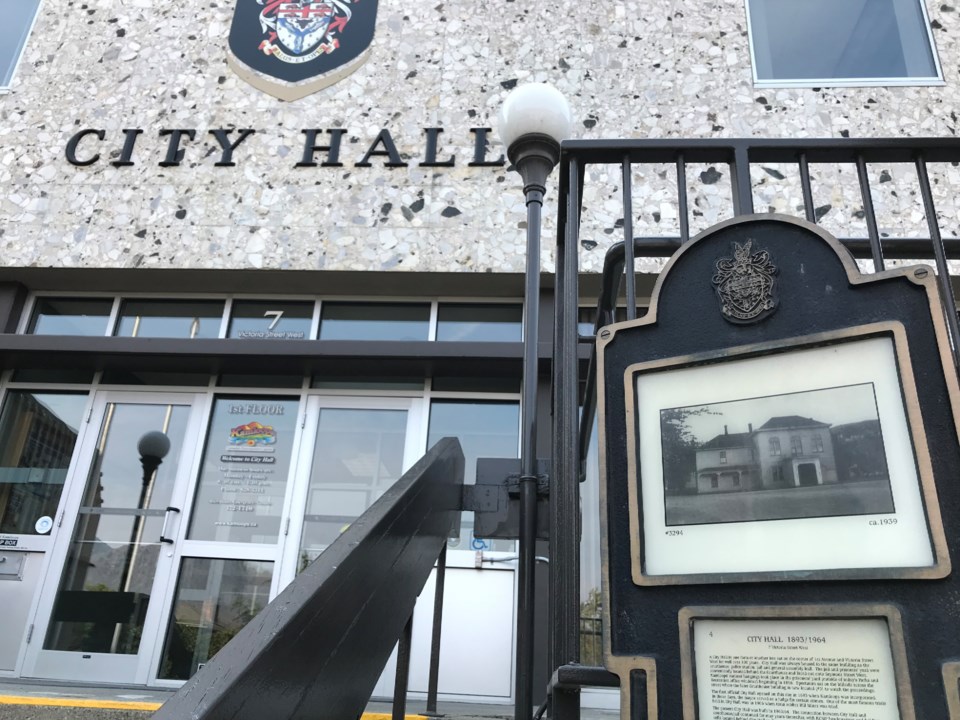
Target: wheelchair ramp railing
pixel 318 649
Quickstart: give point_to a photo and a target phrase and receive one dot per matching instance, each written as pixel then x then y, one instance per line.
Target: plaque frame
pixel 951 684
pixel 888 613
pixel 894 330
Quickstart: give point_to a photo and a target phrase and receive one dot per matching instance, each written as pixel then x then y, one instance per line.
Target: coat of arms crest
pixel 291 48
pixel 746 284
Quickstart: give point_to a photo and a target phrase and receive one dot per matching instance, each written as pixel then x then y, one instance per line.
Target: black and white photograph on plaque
pixel 818 453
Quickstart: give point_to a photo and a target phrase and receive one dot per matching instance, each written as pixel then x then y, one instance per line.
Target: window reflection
pixel 823 39
pixel 357 457
pixel 214 600
pixel 67 316
pixel 18 17
pixel 170 319
pixel 38 432
pixel 270 320
pixel 374 321
pixel 485 429
pixel 479 323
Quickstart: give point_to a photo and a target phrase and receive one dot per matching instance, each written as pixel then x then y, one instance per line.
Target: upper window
pixel 480 323
pixel 18 19
pixel 374 321
pixel 854 42
pixel 70 316
pixel 170 318
pixel 774 446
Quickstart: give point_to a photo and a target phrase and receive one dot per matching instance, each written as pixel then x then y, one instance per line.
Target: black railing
pixel 320 646
pixel 750 163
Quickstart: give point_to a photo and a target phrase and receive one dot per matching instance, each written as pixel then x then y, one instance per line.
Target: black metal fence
pixel 755 168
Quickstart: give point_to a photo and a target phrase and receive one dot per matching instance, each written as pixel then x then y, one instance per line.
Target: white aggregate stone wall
pixel 652 69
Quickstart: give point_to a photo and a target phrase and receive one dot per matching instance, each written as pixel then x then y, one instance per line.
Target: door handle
pixel 166 519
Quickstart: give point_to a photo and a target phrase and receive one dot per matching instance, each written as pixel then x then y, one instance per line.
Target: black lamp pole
pixel 534 154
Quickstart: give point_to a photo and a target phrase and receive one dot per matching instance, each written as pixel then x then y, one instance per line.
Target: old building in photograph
pixel 785 451
pixel 287 236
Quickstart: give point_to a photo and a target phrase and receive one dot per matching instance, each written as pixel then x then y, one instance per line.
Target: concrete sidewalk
pixel 40 700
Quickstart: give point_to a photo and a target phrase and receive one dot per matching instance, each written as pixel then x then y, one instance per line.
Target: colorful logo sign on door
pixel 291 48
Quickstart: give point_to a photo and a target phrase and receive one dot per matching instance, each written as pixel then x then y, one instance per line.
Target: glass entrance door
pixel 99 618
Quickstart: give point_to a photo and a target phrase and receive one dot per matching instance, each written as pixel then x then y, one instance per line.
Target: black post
pixel 565 486
pixel 534 157
pixel 434 679
pixel 402 679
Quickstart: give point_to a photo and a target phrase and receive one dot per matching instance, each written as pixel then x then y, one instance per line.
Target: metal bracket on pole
pixel 495 499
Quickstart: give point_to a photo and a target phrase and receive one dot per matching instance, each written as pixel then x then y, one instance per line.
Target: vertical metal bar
pixel 631 265
pixel 807 189
pixel 943 270
pixel 740 179
pixel 523 707
pixel 434 679
pixel 402 678
pixel 682 206
pixel 876 250
pixel 564 494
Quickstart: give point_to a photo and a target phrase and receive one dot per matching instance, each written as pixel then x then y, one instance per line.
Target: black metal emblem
pixel 746 284
pixel 291 48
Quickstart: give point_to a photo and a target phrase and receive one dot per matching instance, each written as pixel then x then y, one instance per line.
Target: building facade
pixel 304 294
pixel 785 451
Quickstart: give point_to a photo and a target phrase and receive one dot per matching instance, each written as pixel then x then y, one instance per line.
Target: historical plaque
pixel 779 451
pixel 817 451
pixel 786 662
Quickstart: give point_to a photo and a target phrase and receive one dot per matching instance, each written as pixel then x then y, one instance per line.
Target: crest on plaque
pixel 746 284
pixel 291 48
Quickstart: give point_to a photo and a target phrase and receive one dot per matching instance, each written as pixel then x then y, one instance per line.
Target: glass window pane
pixel 38 432
pixel 823 39
pixel 480 323
pixel 69 316
pixel 17 19
pixel 170 318
pixel 357 456
pixel 214 600
pixel 374 321
pixel 485 429
pixel 270 320
pixel 246 462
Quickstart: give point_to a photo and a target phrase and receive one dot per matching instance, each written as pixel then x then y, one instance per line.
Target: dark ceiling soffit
pixel 338 357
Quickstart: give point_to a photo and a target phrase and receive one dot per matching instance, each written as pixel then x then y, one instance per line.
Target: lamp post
pixel 533 120
pixel 153 448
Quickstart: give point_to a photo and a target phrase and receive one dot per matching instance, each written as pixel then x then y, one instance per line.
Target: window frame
pixel 918 81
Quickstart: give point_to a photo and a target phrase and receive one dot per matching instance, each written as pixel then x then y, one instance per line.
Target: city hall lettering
pixel 320 148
